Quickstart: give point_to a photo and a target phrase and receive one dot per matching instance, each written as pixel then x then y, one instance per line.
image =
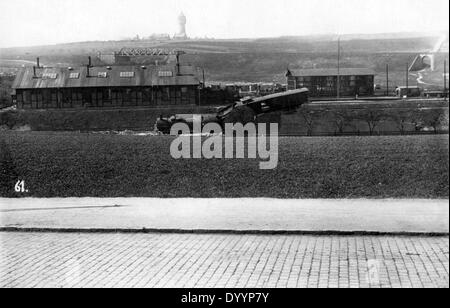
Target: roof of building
pixel 330 72
pixel 116 76
pixel 408 87
pixel 281 94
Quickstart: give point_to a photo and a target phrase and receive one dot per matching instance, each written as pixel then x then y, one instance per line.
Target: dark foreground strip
pixel 237 232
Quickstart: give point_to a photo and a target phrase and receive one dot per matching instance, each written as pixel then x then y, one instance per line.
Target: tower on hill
pixel 181 27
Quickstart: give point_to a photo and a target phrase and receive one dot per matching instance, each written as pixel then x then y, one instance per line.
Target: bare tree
pixel 402 119
pixel 372 117
pixel 341 118
pixel 309 116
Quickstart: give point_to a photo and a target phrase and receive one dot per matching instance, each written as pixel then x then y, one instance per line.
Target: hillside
pixel 256 59
pixel 355 43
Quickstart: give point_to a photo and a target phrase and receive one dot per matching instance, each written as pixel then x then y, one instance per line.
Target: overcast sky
pixel 36 22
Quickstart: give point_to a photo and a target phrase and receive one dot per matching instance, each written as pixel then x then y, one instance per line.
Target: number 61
pixel 20 186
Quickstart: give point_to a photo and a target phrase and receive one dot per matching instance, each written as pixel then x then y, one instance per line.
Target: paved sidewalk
pixel 384 216
pixel 193 260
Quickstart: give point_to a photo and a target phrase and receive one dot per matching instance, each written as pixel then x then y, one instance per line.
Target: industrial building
pixel 323 82
pixel 110 86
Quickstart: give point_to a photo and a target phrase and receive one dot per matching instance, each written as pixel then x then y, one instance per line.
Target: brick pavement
pixel 208 260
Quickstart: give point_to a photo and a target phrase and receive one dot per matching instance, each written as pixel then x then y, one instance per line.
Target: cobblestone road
pixel 192 260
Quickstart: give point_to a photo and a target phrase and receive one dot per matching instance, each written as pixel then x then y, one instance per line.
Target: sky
pixel 42 22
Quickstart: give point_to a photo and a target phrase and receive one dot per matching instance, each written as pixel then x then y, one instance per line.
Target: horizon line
pixel 336 35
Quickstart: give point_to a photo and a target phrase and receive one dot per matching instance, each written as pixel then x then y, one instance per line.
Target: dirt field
pixel 77 165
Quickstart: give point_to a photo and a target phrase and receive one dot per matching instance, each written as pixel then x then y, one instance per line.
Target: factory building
pixel 97 87
pixel 323 82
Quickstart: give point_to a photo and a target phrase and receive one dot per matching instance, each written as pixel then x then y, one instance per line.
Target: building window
pixel 102 75
pixel 165 73
pixel 19 97
pixel 166 94
pixel 37 98
pixel 54 98
pixel 49 75
pixel 126 74
pixel 116 96
pixel 77 97
pixel 74 75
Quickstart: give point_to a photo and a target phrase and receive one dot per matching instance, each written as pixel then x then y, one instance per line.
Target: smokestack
pixel 88 67
pixel 37 63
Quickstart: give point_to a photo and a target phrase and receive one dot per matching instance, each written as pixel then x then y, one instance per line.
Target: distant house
pixel 411 91
pixel 323 82
pixel 114 86
pixel 435 94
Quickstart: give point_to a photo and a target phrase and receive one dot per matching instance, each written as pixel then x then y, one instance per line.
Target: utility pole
pixel 445 79
pixel 407 81
pixel 203 72
pixel 387 79
pixel 201 88
pixel 338 69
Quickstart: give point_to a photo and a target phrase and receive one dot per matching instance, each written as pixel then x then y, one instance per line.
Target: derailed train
pixel 244 111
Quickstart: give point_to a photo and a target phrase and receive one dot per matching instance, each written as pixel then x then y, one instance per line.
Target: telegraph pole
pixel 445 79
pixel 338 69
pixel 199 96
pixel 387 79
pixel 203 73
pixel 407 81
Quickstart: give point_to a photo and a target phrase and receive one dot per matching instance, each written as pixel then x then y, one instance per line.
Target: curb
pixel 223 231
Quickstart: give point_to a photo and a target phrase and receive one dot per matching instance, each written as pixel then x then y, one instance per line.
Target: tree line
pixel 345 121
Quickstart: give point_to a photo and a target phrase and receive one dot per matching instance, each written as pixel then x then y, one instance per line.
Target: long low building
pixel 115 86
pixel 323 82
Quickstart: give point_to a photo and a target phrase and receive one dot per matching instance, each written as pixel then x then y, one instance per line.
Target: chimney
pixel 37 63
pixel 88 67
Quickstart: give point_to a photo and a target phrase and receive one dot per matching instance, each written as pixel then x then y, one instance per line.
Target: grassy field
pixel 77 165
